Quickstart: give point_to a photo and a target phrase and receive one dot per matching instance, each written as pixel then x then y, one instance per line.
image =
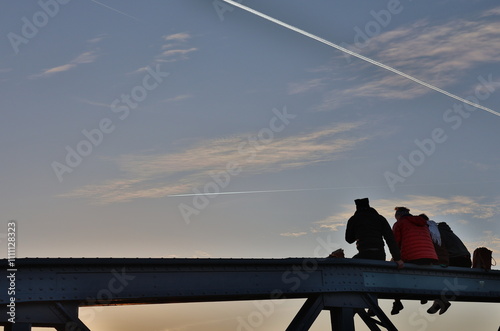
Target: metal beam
pixel 342 286
pixel 307 314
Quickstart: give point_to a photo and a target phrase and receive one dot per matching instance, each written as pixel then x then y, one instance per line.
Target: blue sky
pixel 109 108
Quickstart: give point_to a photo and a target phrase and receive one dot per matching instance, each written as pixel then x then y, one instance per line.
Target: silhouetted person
pixel 414 239
pixel 439 246
pixel 441 304
pixel 458 254
pixel 369 229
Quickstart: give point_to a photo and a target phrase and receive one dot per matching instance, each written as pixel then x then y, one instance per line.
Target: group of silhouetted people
pixel 412 239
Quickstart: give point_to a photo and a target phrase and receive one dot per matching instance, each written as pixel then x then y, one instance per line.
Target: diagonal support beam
pixel 72 322
pixel 369 321
pixel 307 314
pixel 384 320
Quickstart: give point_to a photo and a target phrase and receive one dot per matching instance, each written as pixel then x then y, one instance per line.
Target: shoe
pixel 434 308
pixel 444 308
pixel 423 302
pixel 397 306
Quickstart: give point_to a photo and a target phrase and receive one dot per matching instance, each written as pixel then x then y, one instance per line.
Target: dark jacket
pixel 413 236
pixel 454 245
pixel 369 228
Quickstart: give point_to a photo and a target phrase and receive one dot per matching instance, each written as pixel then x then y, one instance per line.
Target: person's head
pixel 425 217
pixel 400 212
pixel 362 204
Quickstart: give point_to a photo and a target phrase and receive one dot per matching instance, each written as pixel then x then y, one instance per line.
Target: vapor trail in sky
pixel 115 10
pixel 329 188
pixel 252 192
pixel 364 58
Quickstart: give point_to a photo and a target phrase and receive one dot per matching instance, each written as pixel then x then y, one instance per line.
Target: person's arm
pixel 396 232
pixel 390 239
pixel 350 233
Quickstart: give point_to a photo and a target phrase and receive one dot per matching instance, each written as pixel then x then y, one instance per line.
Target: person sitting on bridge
pixel 442 304
pixel 439 246
pixel 369 229
pixel 413 237
pixel 458 254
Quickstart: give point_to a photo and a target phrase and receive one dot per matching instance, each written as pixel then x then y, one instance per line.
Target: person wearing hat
pixel 414 238
pixel 369 229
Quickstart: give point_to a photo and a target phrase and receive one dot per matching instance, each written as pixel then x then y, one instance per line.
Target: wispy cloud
pixel 183 36
pixel 293 234
pixel 434 206
pixel 491 12
pixel 94 103
pixel 489 239
pixel 332 223
pixel 178 52
pixel 156 176
pixel 84 58
pixel 437 208
pixel 301 87
pixel 179 98
pixel 97 39
pixel 436 53
pixel 175 49
pixel 140 70
pixel 478 165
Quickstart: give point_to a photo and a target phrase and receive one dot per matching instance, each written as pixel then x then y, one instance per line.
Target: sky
pixel 113 113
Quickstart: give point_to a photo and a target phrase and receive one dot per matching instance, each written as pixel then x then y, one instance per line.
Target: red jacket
pixel 414 239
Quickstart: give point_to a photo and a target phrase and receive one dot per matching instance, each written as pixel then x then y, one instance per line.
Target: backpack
pixel 482 258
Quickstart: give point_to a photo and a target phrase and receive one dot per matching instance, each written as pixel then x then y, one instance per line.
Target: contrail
pixel 359 56
pixel 327 188
pixel 115 10
pixel 266 191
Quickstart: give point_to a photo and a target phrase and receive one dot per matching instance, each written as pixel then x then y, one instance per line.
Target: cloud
pixel 437 208
pixel 293 234
pixel 97 39
pixel 179 98
pixel 491 12
pixel 489 239
pixel 174 52
pixel 302 87
pixel 84 58
pixel 333 222
pixel 140 70
pixel 175 48
pixel 439 54
pixel 183 36
pixel 160 175
pixel 478 165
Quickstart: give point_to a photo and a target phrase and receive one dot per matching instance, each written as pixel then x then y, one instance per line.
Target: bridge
pixel 49 291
